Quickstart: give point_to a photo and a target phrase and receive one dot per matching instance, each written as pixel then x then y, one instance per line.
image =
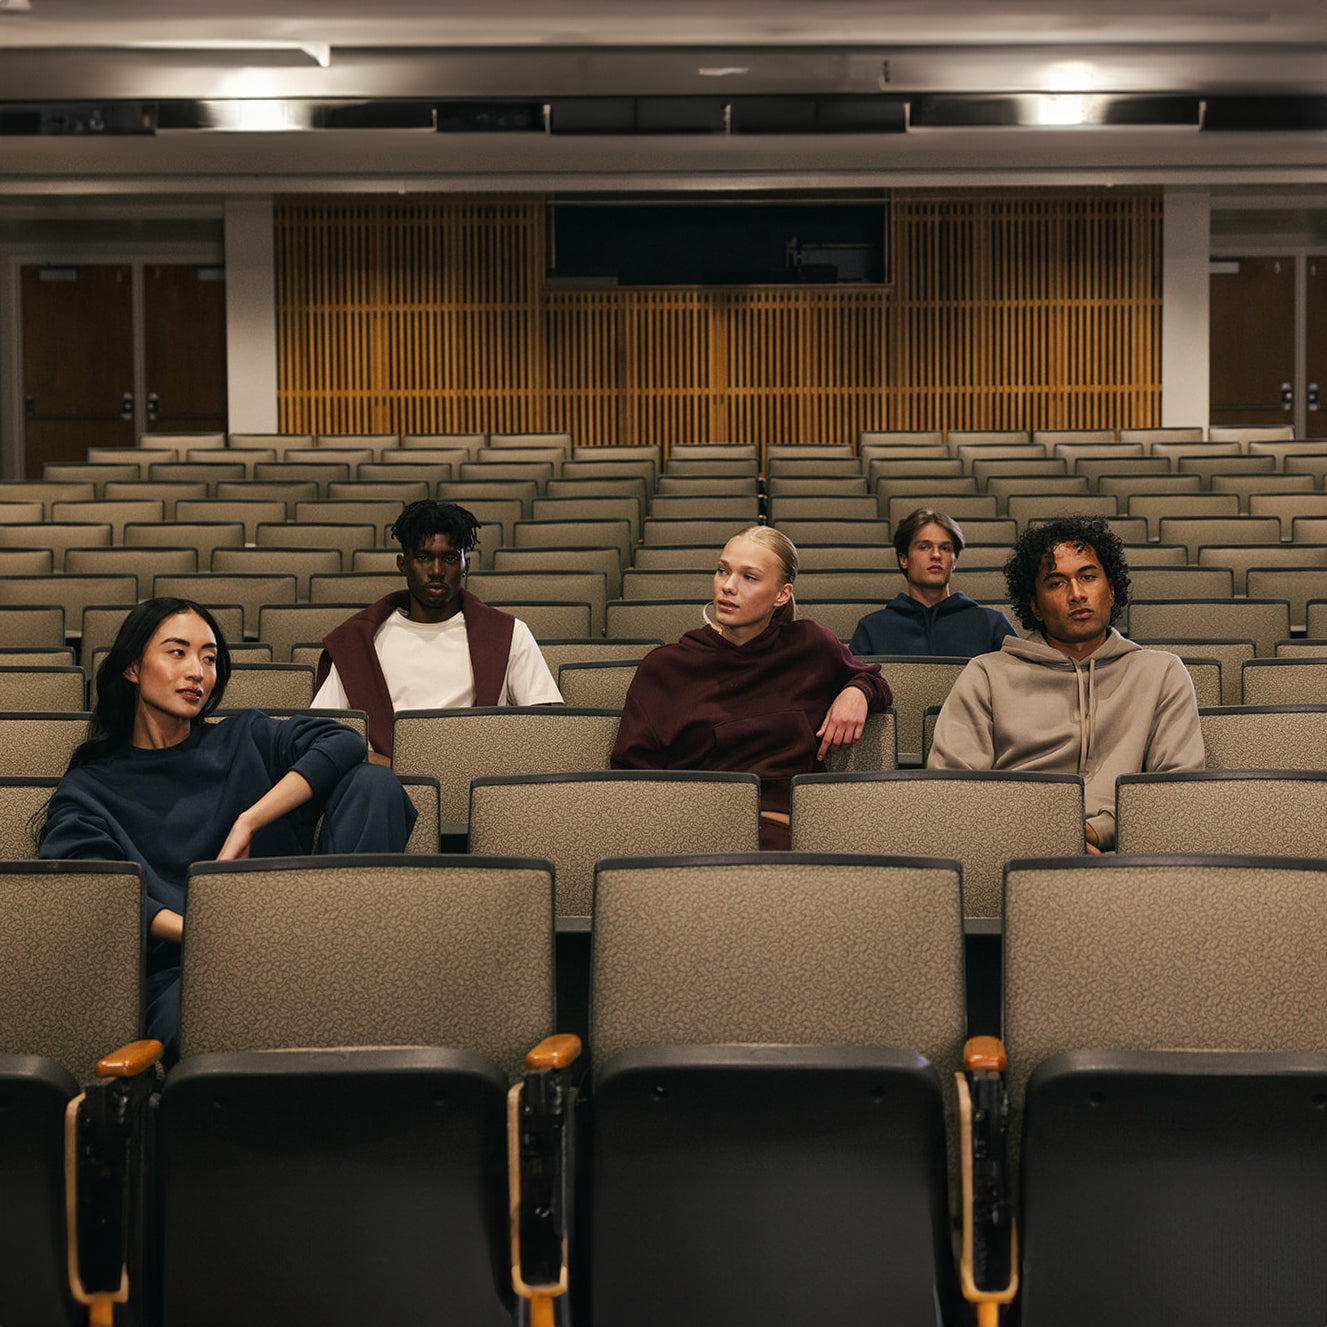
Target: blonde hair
pixel 783 548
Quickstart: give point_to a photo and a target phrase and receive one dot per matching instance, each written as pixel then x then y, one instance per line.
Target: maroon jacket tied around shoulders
pixel 350 647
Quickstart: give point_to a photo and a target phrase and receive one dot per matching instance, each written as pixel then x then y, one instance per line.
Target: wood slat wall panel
pixel 1011 311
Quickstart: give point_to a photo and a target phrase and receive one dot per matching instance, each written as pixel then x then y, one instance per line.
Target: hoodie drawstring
pixel 1087 712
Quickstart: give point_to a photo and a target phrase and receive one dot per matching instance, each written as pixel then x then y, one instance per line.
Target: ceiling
pixel 108 84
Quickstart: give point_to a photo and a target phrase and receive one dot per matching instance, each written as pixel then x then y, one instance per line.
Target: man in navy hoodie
pixel 928 619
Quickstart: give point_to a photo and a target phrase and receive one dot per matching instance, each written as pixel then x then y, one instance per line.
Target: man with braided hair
pixel 433 645
pixel 1076 698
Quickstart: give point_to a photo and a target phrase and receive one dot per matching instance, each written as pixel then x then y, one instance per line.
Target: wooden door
pixel 184 336
pixel 1252 341
pixel 1317 346
pixel 78 361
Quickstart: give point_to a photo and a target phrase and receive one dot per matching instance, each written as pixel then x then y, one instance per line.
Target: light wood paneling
pixel 1026 311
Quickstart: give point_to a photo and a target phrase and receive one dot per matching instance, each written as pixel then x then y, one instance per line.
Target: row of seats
pixel 598 674
pixel 777 1122
pixel 536 782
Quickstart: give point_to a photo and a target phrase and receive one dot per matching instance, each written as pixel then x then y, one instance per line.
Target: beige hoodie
pixel 1122 710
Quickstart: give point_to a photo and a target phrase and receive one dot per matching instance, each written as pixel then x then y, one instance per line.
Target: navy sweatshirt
pixel 954 626
pixel 169 808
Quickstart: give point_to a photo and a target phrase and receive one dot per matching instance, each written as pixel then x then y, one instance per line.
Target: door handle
pixel 153 406
pixel 1311 396
pixel 127 406
pixel 1287 396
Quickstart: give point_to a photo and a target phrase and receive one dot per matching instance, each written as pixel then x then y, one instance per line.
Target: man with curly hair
pixel 433 645
pixel 1077 698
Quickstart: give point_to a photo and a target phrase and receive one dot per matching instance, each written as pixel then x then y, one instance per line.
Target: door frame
pixel 1299 254
pixel 15 256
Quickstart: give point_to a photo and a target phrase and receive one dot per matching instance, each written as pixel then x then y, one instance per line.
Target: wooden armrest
pixel 984 1055
pixel 130 1060
pixel 992 1233
pixel 555 1052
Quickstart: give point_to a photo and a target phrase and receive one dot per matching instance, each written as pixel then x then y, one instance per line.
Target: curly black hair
pixel 1035 544
pixel 421 520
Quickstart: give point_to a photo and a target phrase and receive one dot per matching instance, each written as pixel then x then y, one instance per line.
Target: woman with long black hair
pixel 156 784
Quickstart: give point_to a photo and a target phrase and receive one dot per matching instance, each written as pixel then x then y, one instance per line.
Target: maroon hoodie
pixel 706 703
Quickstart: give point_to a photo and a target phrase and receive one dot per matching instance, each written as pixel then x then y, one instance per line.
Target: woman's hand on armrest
pixel 844 723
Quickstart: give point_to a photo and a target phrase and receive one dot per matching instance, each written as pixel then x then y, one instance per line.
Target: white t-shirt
pixel 427 667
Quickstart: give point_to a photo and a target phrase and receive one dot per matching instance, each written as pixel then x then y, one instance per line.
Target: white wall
pixel 1186 253
pixel 250 316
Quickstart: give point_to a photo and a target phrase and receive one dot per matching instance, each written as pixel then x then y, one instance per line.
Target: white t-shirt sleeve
pixel 331 695
pixel 528 680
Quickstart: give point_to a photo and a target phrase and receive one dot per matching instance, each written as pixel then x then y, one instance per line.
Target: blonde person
pixel 752 690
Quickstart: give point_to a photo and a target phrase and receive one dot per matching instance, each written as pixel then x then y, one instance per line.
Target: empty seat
pixel 251 590
pixel 59 537
pixel 250 513
pixel 455 746
pixel 374 1087
pixel 917 681
pixel 152 489
pixel 606 561
pixel 72 938
pixel 1265 737
pixel 593 649
pixel 1164 1019
pixel 576 820
pixel 1288 506
pixel 1147 436
pixel 302 563
pixel 599 685
pixel 1153 507
pixel 665 620
pixel 1195 531
pixel 1285 681
pixel 38 744
pixel 1263 621
pixel 1234 811
pixel 269 686
pixel 1298 585
pixel 1271 560
pixel 285 491
pixel 532 586
pixel 1065 487
pixel 26 562
pixel 143 563
pixel 982 818
pixel 764 1090
pixel 50 687
pixel 105 512
pixel 202 537
pixel 1032 506
pixel 75 593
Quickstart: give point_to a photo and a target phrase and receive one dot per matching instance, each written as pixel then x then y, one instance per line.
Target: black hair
pixel 1035 545
pixel 421 520
pixel 112 722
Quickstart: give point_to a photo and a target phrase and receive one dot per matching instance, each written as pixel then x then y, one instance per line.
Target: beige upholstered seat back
pixel 38 745
pixel 916 683
pixel 576 820
pixel 1231 654
pixel 1265 737
pixel 266 686
pixel 70 980
pixel 34 687
pixel 369 951
pixel 597 684
pixel 455 746
pixel 1236 811
pixel 1200 953
pixel 1285 681
pixel 815 950
pixel 1263 621
pixel 20 800
pixel 982 818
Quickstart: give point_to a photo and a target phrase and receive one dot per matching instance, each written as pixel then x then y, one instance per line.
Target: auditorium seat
pixel 58 536
pixel 596 685
pixel 139 561
pixel 593 649
pixel 916 681
pixel 1263 621
pixel 251 590
pixel 72 932
pixel 457 745
pixel 36 687
pixel 1239 737
pixel 26 562
pixel 1289 506
pixel 1299 585
pixel 302 563
pixel 982 818
pixel 263 686
pixel 1164 1023
pixel 578 819
pixel 284 490
pixel 1195 531
pixel 773 1044
pixel 1285 681
pixel 606 560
